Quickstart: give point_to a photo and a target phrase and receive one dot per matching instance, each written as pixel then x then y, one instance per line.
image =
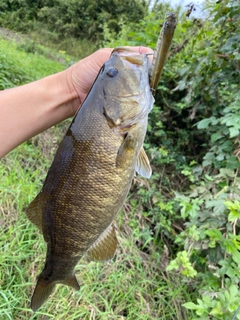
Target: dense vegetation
pixel 179 252
pixel 81 19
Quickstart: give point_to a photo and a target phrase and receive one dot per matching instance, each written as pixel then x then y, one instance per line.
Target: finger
pixel 142 49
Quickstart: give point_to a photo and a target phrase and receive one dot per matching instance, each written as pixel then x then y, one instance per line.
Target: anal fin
pixel 104 247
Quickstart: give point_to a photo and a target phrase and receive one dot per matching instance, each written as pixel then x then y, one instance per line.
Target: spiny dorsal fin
pixel 34 211
pixel 143 165
pixel 104 247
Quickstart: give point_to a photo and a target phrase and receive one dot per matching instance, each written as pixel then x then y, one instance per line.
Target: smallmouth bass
pixel 92 171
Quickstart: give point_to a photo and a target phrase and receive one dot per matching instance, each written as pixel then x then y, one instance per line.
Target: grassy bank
pixel 132 286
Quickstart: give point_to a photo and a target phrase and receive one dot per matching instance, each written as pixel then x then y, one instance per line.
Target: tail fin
pixel 42 291
pixel 45 287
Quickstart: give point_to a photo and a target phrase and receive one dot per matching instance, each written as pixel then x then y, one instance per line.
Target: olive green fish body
pixel 92 172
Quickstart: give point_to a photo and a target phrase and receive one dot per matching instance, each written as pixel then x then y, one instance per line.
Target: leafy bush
pixel 79 19
pixel 192 206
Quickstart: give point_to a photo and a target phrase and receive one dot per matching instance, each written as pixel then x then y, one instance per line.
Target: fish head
pixel 126 90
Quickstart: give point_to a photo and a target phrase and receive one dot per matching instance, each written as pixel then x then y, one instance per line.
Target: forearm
pixel 32 108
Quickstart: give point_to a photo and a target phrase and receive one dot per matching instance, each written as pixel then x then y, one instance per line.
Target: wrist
pixel 69 98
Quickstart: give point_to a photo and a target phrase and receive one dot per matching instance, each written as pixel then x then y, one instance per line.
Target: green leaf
pixel 217 311
pixel 203 124
pixel 214 234
pixel 216 136
pixel 233 248
pixel 234 207
pixel 225 172
pixel 234 131
pixel 191 306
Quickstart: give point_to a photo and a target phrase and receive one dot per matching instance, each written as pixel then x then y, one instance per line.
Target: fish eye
pixel 112 72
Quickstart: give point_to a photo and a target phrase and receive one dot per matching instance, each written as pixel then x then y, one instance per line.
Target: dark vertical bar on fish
pixel 162 48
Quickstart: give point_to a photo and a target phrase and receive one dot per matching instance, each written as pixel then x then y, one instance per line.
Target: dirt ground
pixel 9 34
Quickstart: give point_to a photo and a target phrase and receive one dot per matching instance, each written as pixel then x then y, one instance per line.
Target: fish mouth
pixel 129 55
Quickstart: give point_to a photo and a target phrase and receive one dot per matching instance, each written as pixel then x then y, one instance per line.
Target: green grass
pixel 78 49
pixel 18 66
pixel 132 286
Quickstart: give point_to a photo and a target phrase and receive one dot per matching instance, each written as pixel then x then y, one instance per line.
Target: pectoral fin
pixel 126 151
pixel 34 211
pixel 143 165
pixel 104 247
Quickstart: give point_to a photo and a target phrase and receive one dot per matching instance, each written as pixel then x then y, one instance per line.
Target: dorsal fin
pixel 34 211
pixel 143 165
pixel 104 247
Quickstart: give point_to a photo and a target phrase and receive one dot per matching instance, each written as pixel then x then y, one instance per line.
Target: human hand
pixel 36 106
pixel 84 72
